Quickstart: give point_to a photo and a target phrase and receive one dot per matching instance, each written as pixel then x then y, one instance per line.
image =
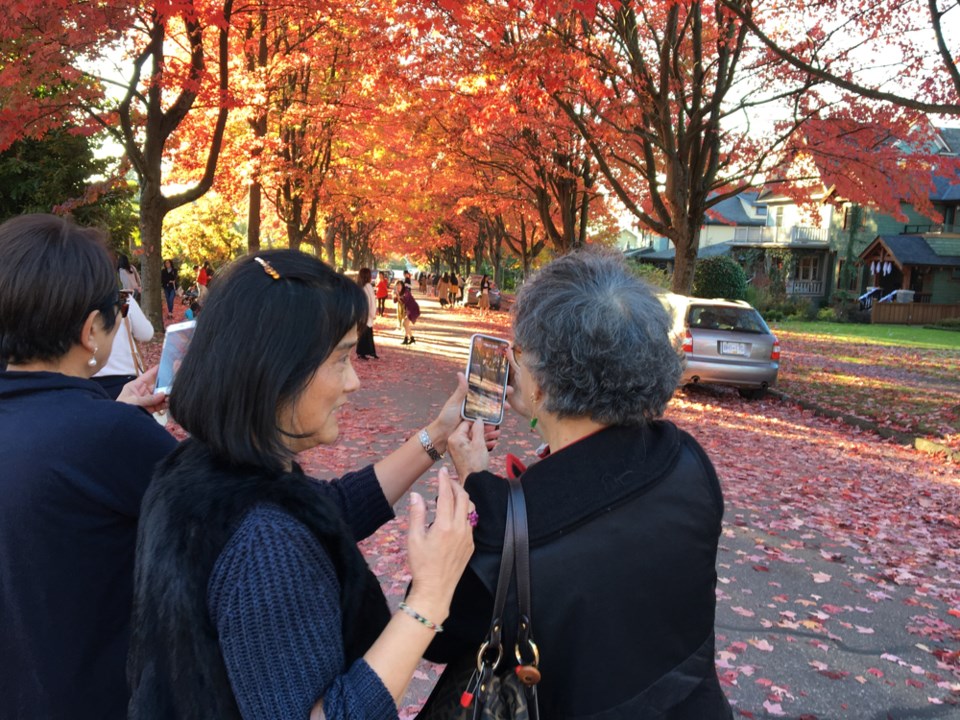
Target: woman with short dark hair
pixel 75 466
pixel 252 599
pixel 624 510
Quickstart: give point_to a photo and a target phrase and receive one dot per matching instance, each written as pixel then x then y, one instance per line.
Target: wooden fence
pixel 912 313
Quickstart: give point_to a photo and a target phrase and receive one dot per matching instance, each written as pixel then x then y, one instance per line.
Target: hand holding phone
pixel 487 374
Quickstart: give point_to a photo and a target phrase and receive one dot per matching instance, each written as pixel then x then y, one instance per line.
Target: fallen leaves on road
pixel 840 555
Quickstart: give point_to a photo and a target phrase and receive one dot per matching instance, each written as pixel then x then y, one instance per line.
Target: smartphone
pixel 487 372
pixel 175 344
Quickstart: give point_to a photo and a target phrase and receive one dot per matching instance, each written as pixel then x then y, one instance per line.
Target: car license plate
pixel 733 348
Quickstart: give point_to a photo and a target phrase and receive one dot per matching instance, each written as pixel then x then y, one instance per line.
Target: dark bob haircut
pixel 258 342
pixel 53 274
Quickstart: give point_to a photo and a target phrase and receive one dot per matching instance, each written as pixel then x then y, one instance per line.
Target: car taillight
pixel 688 343
pixel 775 352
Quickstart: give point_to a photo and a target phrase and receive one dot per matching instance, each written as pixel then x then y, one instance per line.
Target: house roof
pixel 917 250
pixel 946 189
pixel 647 255
pixel 733 211
pixel 951 136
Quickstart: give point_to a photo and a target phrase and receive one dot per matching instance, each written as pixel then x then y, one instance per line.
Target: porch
pixel 809 288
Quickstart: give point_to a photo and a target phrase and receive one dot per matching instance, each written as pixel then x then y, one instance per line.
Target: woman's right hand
pixel 140 392
pixel 468 447
pixel 438 554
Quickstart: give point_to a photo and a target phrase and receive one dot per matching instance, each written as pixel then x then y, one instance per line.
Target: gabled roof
pixel 917 250
pixel 945 189
pixel 732 211
pixel 670 253
pixel 951 136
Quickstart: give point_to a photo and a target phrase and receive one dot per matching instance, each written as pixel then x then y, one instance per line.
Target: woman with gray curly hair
pixel 624 509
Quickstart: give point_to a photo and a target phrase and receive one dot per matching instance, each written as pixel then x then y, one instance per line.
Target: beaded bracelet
pixel 420 618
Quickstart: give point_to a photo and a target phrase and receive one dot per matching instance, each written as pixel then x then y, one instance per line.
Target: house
pixel 927 266
pixel 806 247
pixel 761 230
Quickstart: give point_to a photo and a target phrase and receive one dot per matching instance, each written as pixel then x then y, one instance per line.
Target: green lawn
pixel 898 335
pixel 904 378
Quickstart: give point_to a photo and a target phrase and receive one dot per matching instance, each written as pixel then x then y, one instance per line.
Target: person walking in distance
pixel 365 347
pixel 168 281
pixel 411 312
pixel 383 290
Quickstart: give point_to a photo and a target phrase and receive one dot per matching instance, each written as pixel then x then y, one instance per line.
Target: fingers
pixel 418 516
pixel 491 434
pixel 452 500
pixel 150 376
pixel 512 359
pixel 461 392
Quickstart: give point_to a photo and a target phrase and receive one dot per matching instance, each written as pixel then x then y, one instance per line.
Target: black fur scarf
pixel 190 511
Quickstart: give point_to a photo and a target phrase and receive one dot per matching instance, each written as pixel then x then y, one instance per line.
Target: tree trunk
pixel 152 212
pixel 253 218
pixel 329 240
pixel 686 257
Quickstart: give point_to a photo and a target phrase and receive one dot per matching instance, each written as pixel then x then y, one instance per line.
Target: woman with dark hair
pixel 129 277
pixel 411 311
pixel 484 301
pixel 454 290
pixel 365 346
pixel 624 510
pixel 168 281
pixel 75 466
pixel 252 599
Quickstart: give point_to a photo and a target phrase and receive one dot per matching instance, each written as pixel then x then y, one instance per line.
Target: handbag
pixel 476 691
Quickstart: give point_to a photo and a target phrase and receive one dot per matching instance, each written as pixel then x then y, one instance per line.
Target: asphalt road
pixel 839 566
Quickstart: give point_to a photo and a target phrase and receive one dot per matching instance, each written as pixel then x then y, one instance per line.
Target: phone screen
pixel 175 344
pixel 487 371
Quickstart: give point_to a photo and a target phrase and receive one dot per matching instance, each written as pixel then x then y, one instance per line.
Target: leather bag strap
pixel 134 350
pixel 494 641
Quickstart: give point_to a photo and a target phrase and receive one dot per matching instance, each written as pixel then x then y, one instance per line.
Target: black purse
pixel 476 691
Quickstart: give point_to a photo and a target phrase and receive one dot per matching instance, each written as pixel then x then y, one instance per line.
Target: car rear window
pixel 715 317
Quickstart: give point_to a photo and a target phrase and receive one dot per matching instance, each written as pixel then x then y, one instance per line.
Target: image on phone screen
pixel 487 371
pixel 175 344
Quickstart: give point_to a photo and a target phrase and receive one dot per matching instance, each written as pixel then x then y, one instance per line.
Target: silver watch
pixel 427 444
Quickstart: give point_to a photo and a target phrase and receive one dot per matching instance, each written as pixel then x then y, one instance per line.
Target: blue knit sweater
pixel 274 599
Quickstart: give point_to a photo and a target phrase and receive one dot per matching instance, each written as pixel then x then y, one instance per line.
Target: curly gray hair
pixel 597 339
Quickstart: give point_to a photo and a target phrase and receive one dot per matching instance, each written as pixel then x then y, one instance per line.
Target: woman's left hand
pixel 139 392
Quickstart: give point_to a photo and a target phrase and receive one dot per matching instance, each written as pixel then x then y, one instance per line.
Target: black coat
pixel 190 512
pixel 624 527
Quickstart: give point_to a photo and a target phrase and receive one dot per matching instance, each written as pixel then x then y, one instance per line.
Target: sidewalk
pixel 839 567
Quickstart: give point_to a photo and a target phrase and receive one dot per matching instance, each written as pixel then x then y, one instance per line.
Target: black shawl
pixel 190 511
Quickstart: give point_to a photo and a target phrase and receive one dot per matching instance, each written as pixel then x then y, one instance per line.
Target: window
pixel 852 214
pixel 779 217
pixel 854 279
pixel 808 268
